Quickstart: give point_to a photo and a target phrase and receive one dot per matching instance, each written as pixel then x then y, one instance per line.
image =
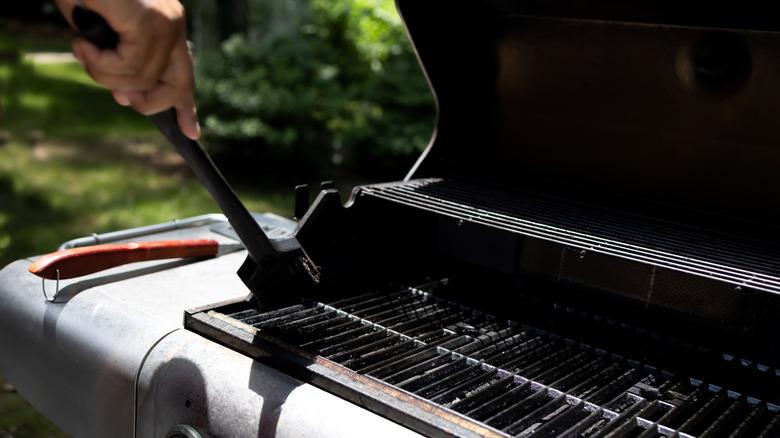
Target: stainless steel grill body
pixel 111 359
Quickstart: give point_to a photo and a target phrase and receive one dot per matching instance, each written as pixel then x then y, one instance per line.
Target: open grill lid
pixel 657 108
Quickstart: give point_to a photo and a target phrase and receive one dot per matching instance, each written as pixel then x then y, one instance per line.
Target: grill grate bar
pixel 741 277
pixel 257 318
pixel 474 371
pixel 519 408
pixel 370 359
pixel 596 418
pixel 460 391
pixel 733 252
pixel 422 353
pixel 772 429
pixel 616 386
pixel 598 380
pixel 565 382
pixel 727 420
pixel 484 396
pixel 696 422
pixel 685 406
pixel 613 423
pixel 545 412
pixel 499 404
pixel 751 423
pixel 562 423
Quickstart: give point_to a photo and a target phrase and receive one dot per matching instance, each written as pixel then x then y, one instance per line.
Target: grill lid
pixel 651 107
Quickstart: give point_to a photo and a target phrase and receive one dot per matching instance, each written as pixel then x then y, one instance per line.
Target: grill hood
pixel 661 109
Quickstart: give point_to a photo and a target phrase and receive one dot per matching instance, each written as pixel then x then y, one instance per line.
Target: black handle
pixel 95 29
pixel 247 229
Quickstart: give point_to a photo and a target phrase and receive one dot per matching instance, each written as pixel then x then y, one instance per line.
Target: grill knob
pixel 184 431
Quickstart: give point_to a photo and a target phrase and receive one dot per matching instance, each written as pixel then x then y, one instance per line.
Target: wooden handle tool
pixel 75 262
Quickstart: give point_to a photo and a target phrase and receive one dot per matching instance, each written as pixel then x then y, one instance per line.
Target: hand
pixel 151 68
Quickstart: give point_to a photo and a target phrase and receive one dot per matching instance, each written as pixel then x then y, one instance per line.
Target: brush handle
pixel 96 30
pixel 245 226
pixel 76 262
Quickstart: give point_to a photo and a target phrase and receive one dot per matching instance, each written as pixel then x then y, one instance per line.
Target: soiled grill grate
pixel 514 378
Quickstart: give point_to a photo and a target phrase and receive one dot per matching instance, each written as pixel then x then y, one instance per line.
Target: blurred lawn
pixel 72 163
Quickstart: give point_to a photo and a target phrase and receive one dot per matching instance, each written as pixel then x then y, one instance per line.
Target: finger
pixel 121 97
pixel 180 75
pixel 66 8
pixel 164 97
pixel 187 116
pixel 158 99
pixel 87 54
pixel 118 83
pixel 119 70
pixel 125 60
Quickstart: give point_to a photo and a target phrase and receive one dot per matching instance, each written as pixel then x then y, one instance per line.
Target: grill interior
pixel 520 378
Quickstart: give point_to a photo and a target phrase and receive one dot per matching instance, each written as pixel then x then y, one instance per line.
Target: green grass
pixel 60 101
pixel 19 420
pixel 30 42
pixel 76 163
pixel 72 163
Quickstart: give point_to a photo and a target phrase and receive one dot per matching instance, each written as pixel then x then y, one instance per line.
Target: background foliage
pixel 319 85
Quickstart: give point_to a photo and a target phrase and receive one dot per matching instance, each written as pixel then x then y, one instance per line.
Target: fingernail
pixel 121 99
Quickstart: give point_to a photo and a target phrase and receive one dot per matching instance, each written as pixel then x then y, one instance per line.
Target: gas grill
pixel 587 248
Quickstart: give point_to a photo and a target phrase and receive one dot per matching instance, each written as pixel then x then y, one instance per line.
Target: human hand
pixel 151 67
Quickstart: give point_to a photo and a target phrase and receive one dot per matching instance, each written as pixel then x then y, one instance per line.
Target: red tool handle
pixel 76 262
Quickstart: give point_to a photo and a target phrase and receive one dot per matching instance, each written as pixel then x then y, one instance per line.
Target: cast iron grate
pixel 516 379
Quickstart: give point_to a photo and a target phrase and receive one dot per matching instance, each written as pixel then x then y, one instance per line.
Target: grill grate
pixel 515 378
pixel 718 257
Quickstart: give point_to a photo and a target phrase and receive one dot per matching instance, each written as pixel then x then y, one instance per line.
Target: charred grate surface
pixel 514 378
pixel 752 264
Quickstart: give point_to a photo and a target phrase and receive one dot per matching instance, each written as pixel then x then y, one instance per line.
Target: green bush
pixel 333 84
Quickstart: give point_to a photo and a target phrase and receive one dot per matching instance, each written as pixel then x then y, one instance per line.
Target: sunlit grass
pixel 60 101
pixel 76 163
pixel 32 42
